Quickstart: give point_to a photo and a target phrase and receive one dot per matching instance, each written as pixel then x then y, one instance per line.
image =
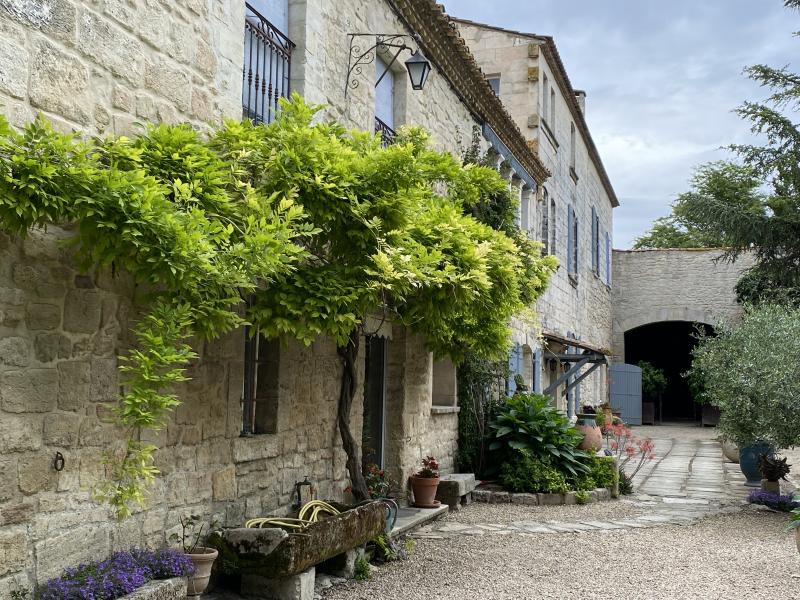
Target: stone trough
pixel 276 564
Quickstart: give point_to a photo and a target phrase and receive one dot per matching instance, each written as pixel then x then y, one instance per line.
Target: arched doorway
pixel 668 346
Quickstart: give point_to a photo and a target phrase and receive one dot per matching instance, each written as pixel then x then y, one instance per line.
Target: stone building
pixel 102 67
pixel 661 298
pixel 571 214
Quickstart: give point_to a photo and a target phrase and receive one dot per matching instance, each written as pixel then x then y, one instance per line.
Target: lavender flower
pixel 785 503
pixel 120 574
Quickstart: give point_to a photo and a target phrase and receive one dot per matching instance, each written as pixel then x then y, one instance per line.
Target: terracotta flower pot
pixel 424 489
pixel 203 559
pixel 592 436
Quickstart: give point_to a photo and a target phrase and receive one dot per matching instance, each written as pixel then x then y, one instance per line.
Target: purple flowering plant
pixel 120 574
pixel 785 503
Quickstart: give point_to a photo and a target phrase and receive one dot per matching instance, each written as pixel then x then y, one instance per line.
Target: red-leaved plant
pixel 627 447
pixel 430 468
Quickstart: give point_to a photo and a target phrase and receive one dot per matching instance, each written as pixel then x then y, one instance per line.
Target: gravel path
pixel 739 556
pixel 684 534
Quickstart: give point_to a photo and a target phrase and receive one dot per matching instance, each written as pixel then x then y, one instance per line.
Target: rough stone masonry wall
pixel 651 286
pixel 97 67
pixel 60 334
pixel 582 309
pixel 103 65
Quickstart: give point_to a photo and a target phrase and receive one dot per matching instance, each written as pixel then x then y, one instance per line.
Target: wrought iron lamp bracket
pixel 358 58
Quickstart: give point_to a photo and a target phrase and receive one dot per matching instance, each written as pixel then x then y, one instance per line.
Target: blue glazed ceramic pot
pixel 748 462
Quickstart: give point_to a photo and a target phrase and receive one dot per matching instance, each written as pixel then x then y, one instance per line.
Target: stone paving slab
pixel 688 481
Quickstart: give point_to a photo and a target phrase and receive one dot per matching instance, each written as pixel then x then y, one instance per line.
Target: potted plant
pixel 654 382
pixel 772 469
pixel 605 409
pixel 748 377
pixel 709 413
pixel 425 482
pixel 202 557
pixel 380 488
pixel 729 449
pixel 592 434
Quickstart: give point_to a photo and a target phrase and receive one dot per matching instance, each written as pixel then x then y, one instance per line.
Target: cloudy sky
pixel 662 79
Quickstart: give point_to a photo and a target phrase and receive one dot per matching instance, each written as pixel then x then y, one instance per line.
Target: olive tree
pixel 751 372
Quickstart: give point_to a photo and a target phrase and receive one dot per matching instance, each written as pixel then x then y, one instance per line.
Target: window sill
pixel 256 447
pixel 445 410
pixel 573 174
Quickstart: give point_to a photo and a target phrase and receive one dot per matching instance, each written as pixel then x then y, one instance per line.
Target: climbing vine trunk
pixel 349 354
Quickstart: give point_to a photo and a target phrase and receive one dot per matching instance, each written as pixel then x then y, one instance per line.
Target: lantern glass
pixel 419 68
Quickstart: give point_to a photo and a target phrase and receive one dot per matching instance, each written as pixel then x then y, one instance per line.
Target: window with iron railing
pixel 387 133
pixel 267 67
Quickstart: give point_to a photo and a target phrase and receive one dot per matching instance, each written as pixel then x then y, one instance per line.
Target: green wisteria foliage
pixel 321 225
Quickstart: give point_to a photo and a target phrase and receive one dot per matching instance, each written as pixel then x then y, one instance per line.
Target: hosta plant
pixel 529 422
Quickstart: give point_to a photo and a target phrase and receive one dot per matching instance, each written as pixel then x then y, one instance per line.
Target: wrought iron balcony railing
pixel 267 67
pixel 388 134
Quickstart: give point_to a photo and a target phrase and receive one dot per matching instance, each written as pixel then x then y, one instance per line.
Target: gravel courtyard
pixel 695 540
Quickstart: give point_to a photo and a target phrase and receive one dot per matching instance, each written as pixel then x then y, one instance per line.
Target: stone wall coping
pixel 163 589
pixel 540 499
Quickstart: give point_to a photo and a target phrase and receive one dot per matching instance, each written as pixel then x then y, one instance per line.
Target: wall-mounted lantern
pixel 418 68
pixel 417 65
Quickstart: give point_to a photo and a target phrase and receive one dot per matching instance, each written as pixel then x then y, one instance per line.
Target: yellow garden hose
pixel 303 520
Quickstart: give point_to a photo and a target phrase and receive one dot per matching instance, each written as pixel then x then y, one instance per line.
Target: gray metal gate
pixel 626 392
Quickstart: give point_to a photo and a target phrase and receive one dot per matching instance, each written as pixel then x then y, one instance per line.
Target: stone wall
pixel 320 29
pixel 60 334
pixel 98 67
pixel 579 309
pixel 651 286
pixel 102 66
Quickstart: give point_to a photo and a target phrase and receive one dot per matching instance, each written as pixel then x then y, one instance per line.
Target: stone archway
pixel 654 315
pixel 689 285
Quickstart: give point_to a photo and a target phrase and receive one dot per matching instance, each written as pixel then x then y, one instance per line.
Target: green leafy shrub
pixel 362 571
pixel 581 497
pixel 654 382
pixel 529 422
pixel 528 473
pixel 603 472
pixel 625 483
pixel 750 373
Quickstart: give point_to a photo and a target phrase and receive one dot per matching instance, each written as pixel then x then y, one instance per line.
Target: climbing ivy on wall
pixel 321 225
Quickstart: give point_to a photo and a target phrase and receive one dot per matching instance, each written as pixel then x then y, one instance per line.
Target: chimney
pixel 580 96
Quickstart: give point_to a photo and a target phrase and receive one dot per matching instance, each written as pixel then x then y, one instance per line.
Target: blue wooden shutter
pixel 595 243
pixel 576 249
pixel 384 93
pixel 570 240
pixel 514 367
pixel 537 371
